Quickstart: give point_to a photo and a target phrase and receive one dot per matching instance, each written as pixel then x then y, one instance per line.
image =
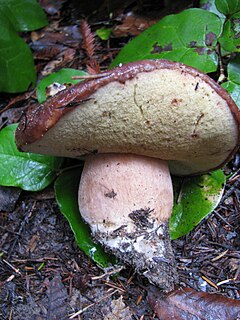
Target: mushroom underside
pixel 164 114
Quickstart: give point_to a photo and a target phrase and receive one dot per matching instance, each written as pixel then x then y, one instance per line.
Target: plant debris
pixel 41 267
pixel 192 305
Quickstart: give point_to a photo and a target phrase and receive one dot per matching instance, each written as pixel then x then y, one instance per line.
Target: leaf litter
pixel 43 274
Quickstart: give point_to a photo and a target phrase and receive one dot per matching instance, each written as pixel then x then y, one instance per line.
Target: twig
pixel 235 185
pixel 210 282
pixel 15 100
pixel 222 76
pixel 234 176
pixel 224 282
pixel 24 221
pixel 180 191
pixel 11 266
pixel 92 304
pixel 220 256
pixel 114 286
pixel 107 274
pixel 223 219
pixel 91 76
pixel 34 260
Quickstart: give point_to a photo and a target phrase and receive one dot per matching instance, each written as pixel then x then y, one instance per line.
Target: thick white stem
pixel 127 201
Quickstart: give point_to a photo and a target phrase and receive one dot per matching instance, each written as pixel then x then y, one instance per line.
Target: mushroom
pixel 133 125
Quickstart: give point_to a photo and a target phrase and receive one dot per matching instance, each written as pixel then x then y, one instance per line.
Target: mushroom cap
pixel 156 108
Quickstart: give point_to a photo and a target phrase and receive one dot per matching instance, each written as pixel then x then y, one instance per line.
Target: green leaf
pixel 233 69
pixel 230 39
pixel 63 76
pixel 178 37
pixel 104 33
pixel 228 6
pixel 28 171
pixel 233 84
pixel 25 15
pixel 66 191
pixel 195 198
pixel 210 5
pixel 234 90
pixel 16 62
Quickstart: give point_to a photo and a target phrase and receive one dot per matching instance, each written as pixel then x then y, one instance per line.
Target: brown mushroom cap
pixel 156 108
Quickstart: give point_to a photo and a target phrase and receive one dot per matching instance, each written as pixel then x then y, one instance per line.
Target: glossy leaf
pixel 25 15
pixel 210 5
pixel 233 69
pixel 234 90
pixel 228 6
pixel 66 191
pixel 233 85
pixel 16 61
pixel 194 198
pixel 28 171
pixel 230 39
pixel 63 76
pixel 189 37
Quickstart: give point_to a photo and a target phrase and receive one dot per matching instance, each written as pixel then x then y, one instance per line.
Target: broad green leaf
pixel 210 5
pixel 233 69
pixel 104 33
pixel 25 15
pixel 28 171
pixel 230 39
pixel 66 191
pixel 63 76
pixel 233 85
pixel 234 90
pixel 189 37
pixel 16 61
pixel 195 197
pixel 228 6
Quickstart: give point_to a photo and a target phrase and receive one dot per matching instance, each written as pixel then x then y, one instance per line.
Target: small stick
pixel 91 76
pixel 224 282
pixel 210 282
pixel 222 76
pixel 11 266
pixel 220 255
pixel 92 304
pixel 109 273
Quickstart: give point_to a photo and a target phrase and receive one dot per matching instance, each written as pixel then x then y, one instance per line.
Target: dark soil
pixel 44 275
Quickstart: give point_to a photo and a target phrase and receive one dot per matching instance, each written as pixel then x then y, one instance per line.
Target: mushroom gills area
pixel 169 114
pixel 127 201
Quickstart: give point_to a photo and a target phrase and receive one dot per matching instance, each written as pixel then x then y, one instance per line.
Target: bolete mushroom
pixel 131 125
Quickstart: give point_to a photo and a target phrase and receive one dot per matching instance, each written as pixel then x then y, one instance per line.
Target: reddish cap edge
pixel 42 117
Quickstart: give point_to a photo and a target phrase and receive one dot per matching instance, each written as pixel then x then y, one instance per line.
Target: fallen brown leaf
pixel 8 198
pixel 188 304
pixel 57 299
pixel 132 24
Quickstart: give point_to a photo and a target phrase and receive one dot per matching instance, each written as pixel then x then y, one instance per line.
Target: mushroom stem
pixel 127 200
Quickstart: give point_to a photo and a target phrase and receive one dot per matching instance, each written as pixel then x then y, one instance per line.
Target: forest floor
pixel 43 273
